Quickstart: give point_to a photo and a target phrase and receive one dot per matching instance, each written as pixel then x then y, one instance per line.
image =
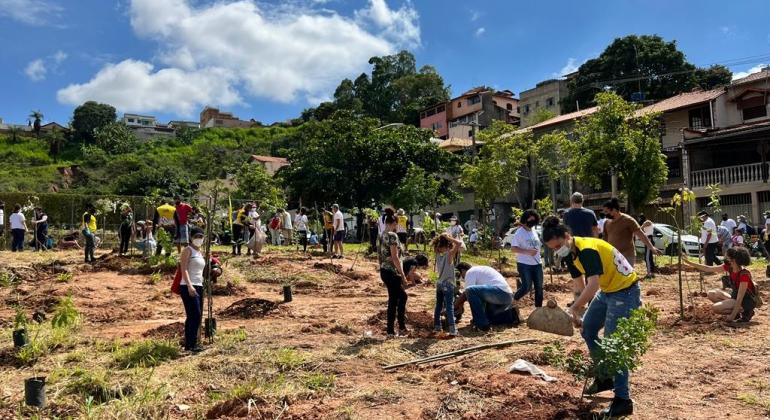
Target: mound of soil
pixel 170 331
pixel 420 323
pixel 355 275
pixel 557 287
pixel 334 268
pixel 253 408
pixel 228 289
pixel 249 308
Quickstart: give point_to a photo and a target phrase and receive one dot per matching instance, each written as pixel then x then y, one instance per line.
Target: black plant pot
pixel 34 391
pixel 287 293
pixel 210 327
pixel 767 271
pixel 20 338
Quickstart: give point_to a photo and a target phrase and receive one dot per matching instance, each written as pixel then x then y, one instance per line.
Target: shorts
pixel 182 234
pixel 339 235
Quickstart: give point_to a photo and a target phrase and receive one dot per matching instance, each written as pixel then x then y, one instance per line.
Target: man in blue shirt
pixel 581 221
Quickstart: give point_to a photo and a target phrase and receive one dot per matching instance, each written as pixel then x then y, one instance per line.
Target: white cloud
pixel 59 56
pixel 31 12
pixel 475 15
pixel 570 67
pixel 36 70
pixel 755 69
pixel 277 52
pixel 480 31
pixel 132 85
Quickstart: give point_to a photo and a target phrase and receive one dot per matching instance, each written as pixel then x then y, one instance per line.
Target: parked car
pixel 665 238
pixel 508 237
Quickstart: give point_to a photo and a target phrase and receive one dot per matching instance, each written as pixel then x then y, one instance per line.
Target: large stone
pixel 551 319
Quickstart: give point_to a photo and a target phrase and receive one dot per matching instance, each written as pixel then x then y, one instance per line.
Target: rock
pixel 551 319
pixel 182 407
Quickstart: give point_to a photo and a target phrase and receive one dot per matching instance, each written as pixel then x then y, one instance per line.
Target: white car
pixel 665 237
pixel 508 237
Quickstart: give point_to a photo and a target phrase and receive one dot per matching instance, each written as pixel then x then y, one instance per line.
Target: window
pixel 674 167
pixel 700 117
pixel 549 102
pixel 526 109
pixel 509 107
pixel 459 104
pixel 518 110
pixel 435 126
pixel 754 112
pixel 130 120
pixel 474 100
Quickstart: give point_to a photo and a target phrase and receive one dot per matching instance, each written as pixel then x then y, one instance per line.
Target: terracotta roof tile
pixel 682 100
pixel 563 118
pixel 763 74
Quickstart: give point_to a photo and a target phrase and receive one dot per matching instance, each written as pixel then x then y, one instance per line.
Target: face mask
pixel 563 251
pixel 197 241
pixel 531 223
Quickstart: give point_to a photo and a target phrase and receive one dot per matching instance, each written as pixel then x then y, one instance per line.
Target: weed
pixel 285 359
pixel 94 386
pixel 317 381
pixel 147 353
pixel 64 277
pixel 65 314
pixel 8 279
pixel 229 338
pixel 155 278
pixel 553 354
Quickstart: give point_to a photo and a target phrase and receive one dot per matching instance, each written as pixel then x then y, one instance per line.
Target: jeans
pixel 530 274
pixel 90 245
pixel 17 243
pixel 193 309
pixel 125 237
pixel 711 254
pixel 445 299
pixel 649 258
pixel 303 239
pixel 605 311
pixel 41 237
pixel 396 299
pixel 479 297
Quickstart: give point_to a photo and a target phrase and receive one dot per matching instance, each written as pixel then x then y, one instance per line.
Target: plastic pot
pixel 34 391
pixel 210 327
pixel 287 293
pixel 767 271
pixel 20 338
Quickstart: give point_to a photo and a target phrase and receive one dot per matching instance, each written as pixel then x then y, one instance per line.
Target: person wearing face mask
pixel 728 223
pixel 191 265
pixel 456 232
pixel 597 266
pixel 526 245
pixel 621 229
pixel 709 239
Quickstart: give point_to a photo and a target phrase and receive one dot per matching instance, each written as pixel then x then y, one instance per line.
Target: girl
pixel 738 237
pixel 392 274
pixel 740 304
pixel 446 249
pixel 526 244
pixel 89 232
pixel 595 265
pixel 300 223
pixel 191 265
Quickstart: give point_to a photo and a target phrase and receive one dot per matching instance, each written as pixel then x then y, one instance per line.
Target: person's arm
pixel 589 291
pixel 397 263
pixel 456 245
pixel 641 236
pixel 155 219
pixel 704 268
pixel 742 288
pixel 184 263
pixel 176 217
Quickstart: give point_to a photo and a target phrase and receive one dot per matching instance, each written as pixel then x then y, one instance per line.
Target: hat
pixel 196 232
pixel 401 212
pixel 453 218
pixel 702 213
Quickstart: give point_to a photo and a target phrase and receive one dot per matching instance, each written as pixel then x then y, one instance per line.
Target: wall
pixel 464 109
pixel 675 121
pixel 536 98
pixel 437 118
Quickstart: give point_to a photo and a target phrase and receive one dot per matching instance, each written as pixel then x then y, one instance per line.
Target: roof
pixel 564 118
pixel 698 136
pixel 762 74
pixel 265 159
pixel 457 143
pixel 682 100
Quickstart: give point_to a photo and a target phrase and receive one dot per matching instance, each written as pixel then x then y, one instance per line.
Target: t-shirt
pixel 601 223
pixel 2 217
pixel 328 222
pixel 401 224
pixel 729 224
pixel 287 220
pixel 183 211
pixel 17 220
pixel 408 264
pixel 470 225
pixel 741 277
pixel 241 218
pixel 709 227
pixel 620 234
pixel 386 241
pixel 89 221
pixel 527 239
pixel 482 275
pixel 445 268
pixel 455 231
pixel 596 257
pixel 737 240
pixel 339 221
pixel 301 222
pixel 580 221
pixel 648 230
pixel 165 214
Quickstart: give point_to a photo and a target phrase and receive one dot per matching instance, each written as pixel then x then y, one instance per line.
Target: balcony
pixel 740 174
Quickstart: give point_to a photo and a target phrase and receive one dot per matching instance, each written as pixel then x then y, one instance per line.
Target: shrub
pixel 318 381
pixel 148 353
pixel 65 315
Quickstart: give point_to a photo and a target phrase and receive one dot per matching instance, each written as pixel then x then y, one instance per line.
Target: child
pixel 739 305
pixel 738 237
pixel 446 249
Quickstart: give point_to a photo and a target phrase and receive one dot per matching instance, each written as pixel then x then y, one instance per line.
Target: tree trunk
pixel 614 183
pixel 553 196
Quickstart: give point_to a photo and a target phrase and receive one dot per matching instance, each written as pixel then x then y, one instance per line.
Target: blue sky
pixel 269 60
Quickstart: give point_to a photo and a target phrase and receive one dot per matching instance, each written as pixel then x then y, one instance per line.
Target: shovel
pixel 551 319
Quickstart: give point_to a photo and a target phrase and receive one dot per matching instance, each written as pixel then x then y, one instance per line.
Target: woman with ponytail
pixel 392 274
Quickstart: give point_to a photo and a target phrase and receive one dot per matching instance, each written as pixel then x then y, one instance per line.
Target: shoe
pixel 403 332
pixel 619 407
pixel 196 350
pixel 600 385
pixel 744 317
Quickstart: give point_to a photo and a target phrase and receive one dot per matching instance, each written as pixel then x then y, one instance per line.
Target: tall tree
pixel 255 184
pixel 420 190
pixel 37 118
pixel 635 63
pixel 89 117
pixel 55 140
pixel 615 140
pixel 714 76
pixel 115 138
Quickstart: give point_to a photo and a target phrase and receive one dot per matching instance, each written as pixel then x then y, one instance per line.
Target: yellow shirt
pixel 328 222
pixel 597 257
pixel 240 217
pixel 166 214
pixel 91 225
pixel 402 223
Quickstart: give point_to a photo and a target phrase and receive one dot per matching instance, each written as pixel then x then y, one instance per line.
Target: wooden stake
pixel 461 352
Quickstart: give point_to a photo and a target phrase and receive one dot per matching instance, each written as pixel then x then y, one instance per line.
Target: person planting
pixel 446 249
pixel 526 245
pixel 739 304
pixel 608 272
pixel 392 275
pixel 411 265
pixel 126 227
pixel 191 265
pixel 488 295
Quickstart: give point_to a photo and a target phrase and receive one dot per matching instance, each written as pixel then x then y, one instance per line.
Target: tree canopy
pixel 255 184
pixel 89 117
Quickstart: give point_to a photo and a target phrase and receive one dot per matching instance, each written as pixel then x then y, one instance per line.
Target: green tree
pixel 89 117
pixel 115 138
pixel 37 118
pixel 55 140
pixel 550 150
pixel 617 140
pixel 712 77
pixel 186 135
pixel 645 63
pixel 420 190
pixel 255 184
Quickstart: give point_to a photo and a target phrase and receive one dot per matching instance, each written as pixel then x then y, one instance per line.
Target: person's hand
pixel 656 251
pixel 729 318
pixel 576 321
pixel 534 252
pixel 191 291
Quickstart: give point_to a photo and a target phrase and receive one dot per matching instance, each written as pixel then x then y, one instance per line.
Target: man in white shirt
pixel 708 238
pixel 18 228
pixel 339 231
pixel 287 228
pixel 728 223
pixel 486 291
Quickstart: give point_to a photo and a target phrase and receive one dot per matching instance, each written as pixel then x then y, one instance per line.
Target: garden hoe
pixel 551 319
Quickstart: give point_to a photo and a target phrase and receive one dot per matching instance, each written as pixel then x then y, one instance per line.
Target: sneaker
pixel 744 317
pixel 403 332
pixel 619 407
pixel 600 385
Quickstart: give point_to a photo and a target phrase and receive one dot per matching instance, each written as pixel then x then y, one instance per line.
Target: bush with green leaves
pixel 65 314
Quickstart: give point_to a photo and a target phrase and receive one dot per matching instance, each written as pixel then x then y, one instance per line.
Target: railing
pixel 740 174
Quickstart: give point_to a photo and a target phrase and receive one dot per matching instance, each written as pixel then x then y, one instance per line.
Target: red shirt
pixel 182 212
pixel 745 277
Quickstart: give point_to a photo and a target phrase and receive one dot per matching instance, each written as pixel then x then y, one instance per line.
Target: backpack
pixel 275 223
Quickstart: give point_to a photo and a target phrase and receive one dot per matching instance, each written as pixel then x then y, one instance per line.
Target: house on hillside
pixel 271 163
pixel 474 110
pixel 213 117
pixel 547 94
